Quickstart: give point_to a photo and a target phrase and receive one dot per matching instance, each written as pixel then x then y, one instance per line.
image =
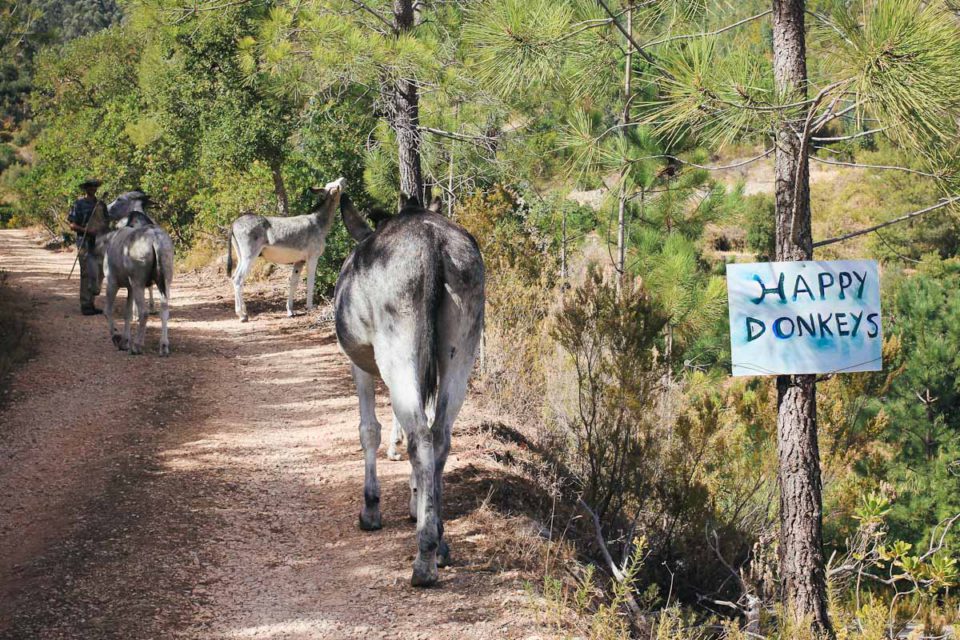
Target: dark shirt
pixel 81 210
pixel 80 214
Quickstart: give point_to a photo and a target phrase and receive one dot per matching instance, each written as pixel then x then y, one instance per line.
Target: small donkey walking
pixel 137 255
pixel 409 308
pixel 297 240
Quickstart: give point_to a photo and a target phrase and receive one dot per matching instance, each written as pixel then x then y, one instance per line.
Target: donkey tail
pixel 430 347
pixel 230 253
pixel 160 273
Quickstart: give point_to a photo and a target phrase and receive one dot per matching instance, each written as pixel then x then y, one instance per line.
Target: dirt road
pixel 215 493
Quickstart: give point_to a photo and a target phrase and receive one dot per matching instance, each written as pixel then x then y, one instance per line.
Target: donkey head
pixel 328 197
pixel 127 203
pixel 331 189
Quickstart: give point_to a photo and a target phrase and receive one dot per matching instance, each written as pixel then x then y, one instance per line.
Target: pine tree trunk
pixel 802 567
pixel 280 190
pixel 622 200
pixel 406 114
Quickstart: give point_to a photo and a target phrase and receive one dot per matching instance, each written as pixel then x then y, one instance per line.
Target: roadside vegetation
pixel 606 210
pixel 14 340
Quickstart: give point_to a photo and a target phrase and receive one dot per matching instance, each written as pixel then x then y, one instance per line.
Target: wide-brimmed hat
pixel 90 182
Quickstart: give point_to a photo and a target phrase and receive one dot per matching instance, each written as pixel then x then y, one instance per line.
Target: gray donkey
pixel 409 308
pixel 129 210
pixel 136 257
pixel 297 240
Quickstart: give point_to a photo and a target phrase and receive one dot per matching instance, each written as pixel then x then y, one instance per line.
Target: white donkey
pixel 297 240
pixel 136 257
pixel 409 308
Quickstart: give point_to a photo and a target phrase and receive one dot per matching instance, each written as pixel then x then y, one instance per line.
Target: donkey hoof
pixel 423 575
pixel 117 341
pixel 244 318
pixel 371 522
pixel 393 454
pixel 164 350
pixel 443 554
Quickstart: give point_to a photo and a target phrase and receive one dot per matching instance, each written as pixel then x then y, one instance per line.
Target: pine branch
pixel 850 137
pixel 705 34
pixel 739 163
pixel 828 116
pixel 859 165
pixel 482 140
pixel 379 16
pixel 629 36
pixel 907 216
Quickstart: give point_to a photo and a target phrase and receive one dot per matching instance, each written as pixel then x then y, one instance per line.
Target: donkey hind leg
pixel 108 311
pixel 459 326
pixel 370 439
pixel 396 437
pixel 150 305
pixel 294 281
pixel 127 315
pixel 246 257
pixel 408 407
pixel 311 279
pixel 243 268
pixel 451 391
pixel 136 347
pixel 164 319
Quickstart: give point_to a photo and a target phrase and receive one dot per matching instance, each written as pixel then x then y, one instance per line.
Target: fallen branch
pixel 907 216
pixel 617 573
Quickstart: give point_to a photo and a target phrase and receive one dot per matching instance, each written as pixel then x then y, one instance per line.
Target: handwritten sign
pixel 804 317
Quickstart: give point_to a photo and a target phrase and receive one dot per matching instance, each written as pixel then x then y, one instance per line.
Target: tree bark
pixel 405 106
pixel 280 190
pixel 802 567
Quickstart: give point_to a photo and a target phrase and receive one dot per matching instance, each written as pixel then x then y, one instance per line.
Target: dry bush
pixel 521 290
pixel 201 255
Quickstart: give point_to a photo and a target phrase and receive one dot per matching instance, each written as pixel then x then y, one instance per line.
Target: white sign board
pixel 804 317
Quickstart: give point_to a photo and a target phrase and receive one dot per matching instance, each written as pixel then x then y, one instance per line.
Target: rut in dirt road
pixel 215 493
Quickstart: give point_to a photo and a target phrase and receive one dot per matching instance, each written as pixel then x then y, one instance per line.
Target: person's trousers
pixel 91 277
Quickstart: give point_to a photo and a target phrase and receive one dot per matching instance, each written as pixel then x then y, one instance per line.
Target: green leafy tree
pixel 198 92
pixel 86 94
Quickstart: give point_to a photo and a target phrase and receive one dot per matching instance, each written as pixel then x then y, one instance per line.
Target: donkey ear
pixel 378 217
pixel 410 202
pixel 436 205
pixel 317 190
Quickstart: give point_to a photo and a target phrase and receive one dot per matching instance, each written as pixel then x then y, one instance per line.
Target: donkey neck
pixel 324 214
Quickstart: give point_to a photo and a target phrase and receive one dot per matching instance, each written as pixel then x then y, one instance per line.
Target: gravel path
pixel 215 493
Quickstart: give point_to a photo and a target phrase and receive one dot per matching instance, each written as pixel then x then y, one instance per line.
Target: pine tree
pixel 388 47
pixel 708 78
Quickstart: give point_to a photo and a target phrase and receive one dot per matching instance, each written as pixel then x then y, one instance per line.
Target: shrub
pixel 759 215
pixel 610 339
pixel 8 156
